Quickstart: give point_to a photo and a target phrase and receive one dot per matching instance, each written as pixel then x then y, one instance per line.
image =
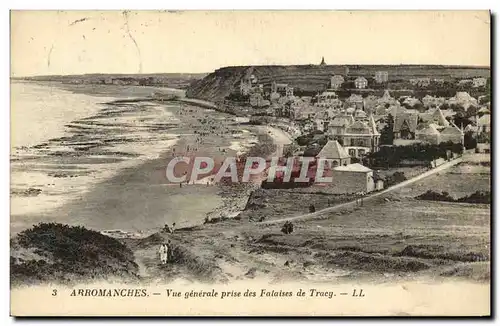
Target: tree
pixel 483 137
pixel 485 99
pixel 472 110
pixel 461 119
pixel 419 107
pixel 387 133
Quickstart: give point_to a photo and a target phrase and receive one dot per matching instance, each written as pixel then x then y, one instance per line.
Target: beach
pixel 104 167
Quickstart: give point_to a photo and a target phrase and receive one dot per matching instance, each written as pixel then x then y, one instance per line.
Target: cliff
pixel 171 80
pixel 313 78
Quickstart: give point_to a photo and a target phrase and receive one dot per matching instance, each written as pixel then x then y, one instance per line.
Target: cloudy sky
pixel 76 42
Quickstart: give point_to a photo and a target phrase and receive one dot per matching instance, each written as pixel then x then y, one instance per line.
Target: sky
pixel 78 42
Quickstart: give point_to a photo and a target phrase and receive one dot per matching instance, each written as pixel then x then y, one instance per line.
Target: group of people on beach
pixel 169 229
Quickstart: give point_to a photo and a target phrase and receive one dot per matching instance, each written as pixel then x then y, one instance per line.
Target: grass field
pixel 268 204
pixel 391 237
pixel 474 174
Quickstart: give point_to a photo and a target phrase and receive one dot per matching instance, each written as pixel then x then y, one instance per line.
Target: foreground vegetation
pixel 51 251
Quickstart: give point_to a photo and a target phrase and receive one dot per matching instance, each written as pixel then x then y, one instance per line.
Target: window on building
pixel 358 142
pixel 361 152
pixel 352 152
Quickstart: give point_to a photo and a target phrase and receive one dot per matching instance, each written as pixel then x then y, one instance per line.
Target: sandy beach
pixel 106 171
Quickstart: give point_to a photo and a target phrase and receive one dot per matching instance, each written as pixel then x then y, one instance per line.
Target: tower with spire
pixel 323 63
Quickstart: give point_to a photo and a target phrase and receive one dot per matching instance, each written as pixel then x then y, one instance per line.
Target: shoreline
pixel 222 205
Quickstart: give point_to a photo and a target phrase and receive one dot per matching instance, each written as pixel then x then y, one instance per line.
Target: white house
pixel 479 82
pixel 381 76
pixel 361 82
pixel 350 179
pixel 336 81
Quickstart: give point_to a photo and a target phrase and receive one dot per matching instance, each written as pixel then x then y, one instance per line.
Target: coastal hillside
pixel 313 78
pixel 62 253
pixel 171 80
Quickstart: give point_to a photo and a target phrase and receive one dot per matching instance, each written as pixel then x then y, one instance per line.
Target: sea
pixel 67 141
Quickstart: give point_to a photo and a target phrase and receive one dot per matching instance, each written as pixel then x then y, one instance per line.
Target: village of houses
pixel 345 132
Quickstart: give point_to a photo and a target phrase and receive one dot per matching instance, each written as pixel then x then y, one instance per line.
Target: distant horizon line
pixel 470 66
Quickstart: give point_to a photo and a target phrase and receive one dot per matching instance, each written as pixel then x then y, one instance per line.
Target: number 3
pixel 54 292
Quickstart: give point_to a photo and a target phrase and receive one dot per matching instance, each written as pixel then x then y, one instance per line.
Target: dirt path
pixel 419 177
pixel 202 103
pixel 279 136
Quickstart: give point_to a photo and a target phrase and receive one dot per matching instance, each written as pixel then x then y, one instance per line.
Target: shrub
pixel 436 196
pixel 303 140
pixel 70 251
pixel 392 156
pixel 396 177
pixel 478 197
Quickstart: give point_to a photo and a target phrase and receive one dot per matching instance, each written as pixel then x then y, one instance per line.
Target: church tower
pixel 323 63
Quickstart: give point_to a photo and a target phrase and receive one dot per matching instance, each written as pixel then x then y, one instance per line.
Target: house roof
pixel 358 127
pixel 342 121
pixel 396 110
pixel 326 114
pixel 360 79
pixel 448 113
pixel 439 116
pixel 373 125
pixel 436 115
pixel 355 167
pixel 360 113
pixel 355 98
pixel 334 150
pixel 427 129
pixel 338 78
pixel 452 129
pixel 409 118
pixel 426 116
pixel 386 95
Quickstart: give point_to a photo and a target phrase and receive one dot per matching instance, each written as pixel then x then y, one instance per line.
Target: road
pixel 279 136
pixel 419 177
pixel 202 103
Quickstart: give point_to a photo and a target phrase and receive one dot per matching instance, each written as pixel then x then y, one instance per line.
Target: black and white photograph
pixel 257 163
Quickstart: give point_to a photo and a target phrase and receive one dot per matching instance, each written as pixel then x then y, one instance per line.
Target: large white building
pixel 361 82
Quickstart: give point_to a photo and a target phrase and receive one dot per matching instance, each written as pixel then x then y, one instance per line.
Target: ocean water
pixel 40 112
pixel 64 143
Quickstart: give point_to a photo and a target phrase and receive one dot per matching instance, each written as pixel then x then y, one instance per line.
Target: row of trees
pixel 392 156
pixel 478 197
